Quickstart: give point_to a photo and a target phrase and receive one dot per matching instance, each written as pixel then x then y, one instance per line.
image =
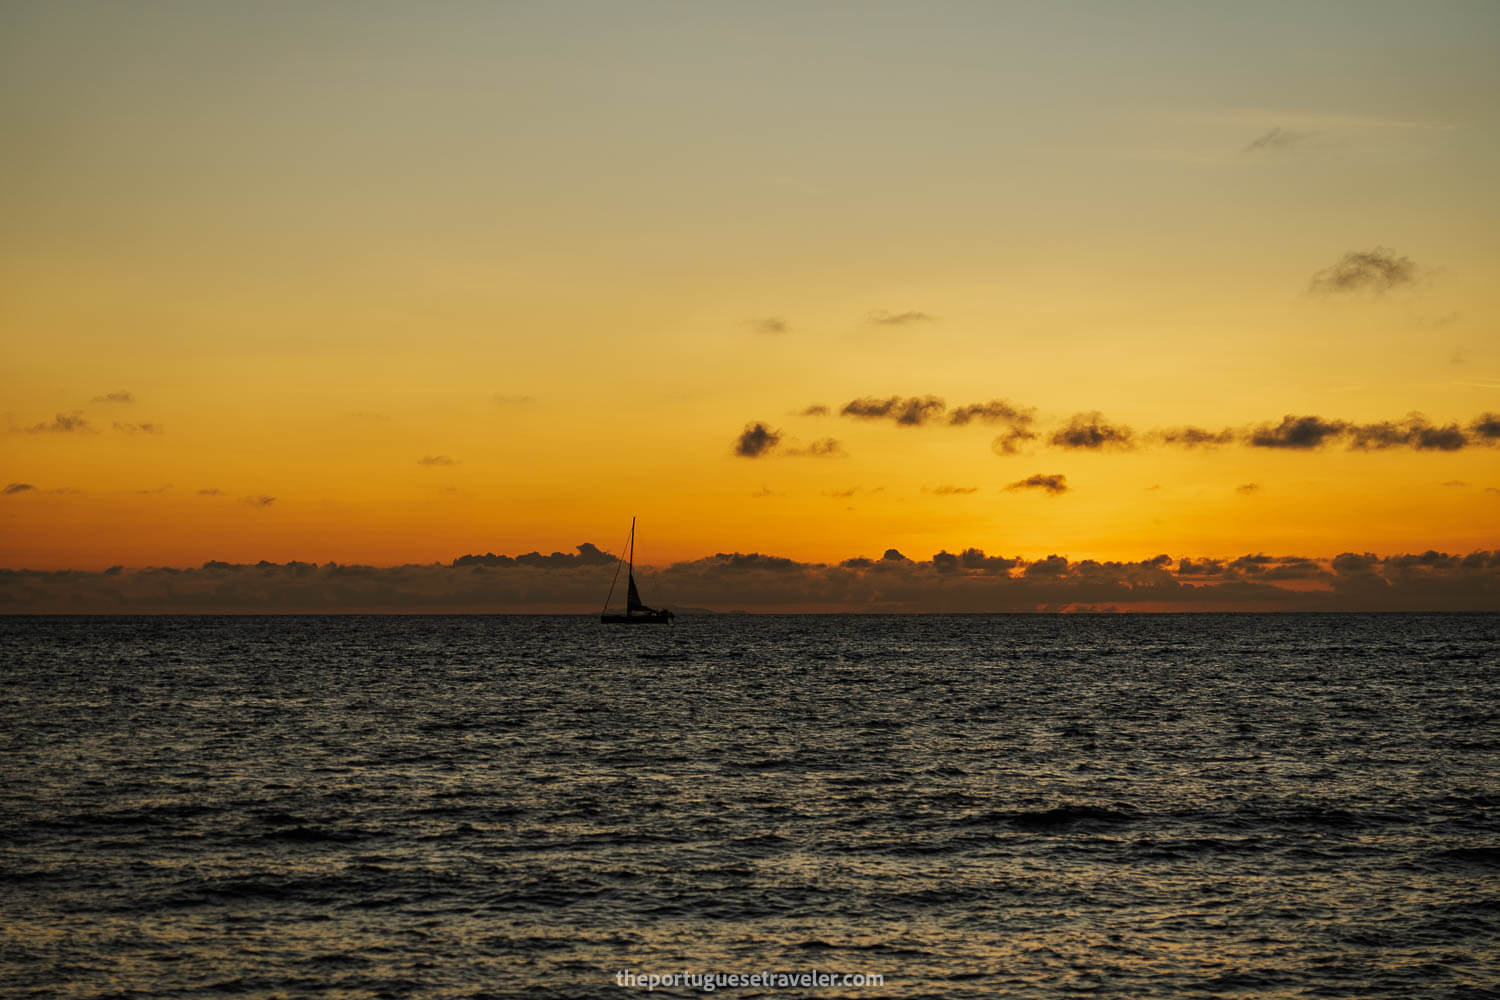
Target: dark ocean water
pixel 1162 806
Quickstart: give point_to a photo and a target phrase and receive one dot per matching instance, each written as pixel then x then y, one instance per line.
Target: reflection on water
pixel 969 806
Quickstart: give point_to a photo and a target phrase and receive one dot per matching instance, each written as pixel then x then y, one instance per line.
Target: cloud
pixel 509 399
pixel 1055 483
pixel 815 410
pixel 258 501
pixel 1194 437
pixel 1415 432
pixel 1246 489
pixel 996 411
pixel 822 448
pixel 63 423
pixel 844 494
pixel 432 461
pixel 1454 482
pixel 121 396
pixel 756 440
pixel 950 491
pixel 17 488
pixel 1018 421
pixel 911 411
pixel 976 559
pixel 967 582
pixel 1378 270
pixel 210 493
pixel 769 325
pixel 1277 140
pixel 882 318
pixel 1486 427
pixel 146 427
pixel 1306 433
pixel 1090 431
pixel 588 554
pixel 1010 442
pixel 1301 433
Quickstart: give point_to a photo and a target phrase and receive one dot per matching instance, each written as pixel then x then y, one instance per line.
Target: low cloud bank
pixel 966 581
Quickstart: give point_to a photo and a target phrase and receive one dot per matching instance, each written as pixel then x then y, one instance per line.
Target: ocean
pixel 906 806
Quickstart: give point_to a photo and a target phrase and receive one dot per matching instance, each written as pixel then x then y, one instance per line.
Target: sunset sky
pixel 391 283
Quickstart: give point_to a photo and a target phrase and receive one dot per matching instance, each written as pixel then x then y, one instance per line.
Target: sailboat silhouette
pixel 636 613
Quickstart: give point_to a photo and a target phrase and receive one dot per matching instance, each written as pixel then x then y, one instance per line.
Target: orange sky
pixel 391 285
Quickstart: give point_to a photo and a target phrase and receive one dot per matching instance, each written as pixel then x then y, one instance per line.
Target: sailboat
pixel 636 613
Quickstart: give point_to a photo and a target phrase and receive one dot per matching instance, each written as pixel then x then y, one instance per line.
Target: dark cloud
pixel 1017 419
pixel 967 582
pixel 823 448
pixel 17 488
pixel 210 493
pixel 996 411
pixel 1310 432
pixel 976 559
pixel 1301 433
pixel 1378 270
pixel 1414 432
pixel 1194 437
pixel 1277 140
pixel 1054 484
pixel 1454 482
pixel 1352 564
pixel 1090 431
pixel 588 554
pixel 948 491
pixel 1052 566
pixel 1246 489
pixel 436 460
pixel 1011 441
pixel 1264 567
pixel 258 501
pixel 756 440
pixel 912 411
pixel 946 562
pixel 63 423
pixel 142 428
pixel 769 324
pixel 882 318
pixel 120 396
pixel 1201 567
pixel 736 562
pixel 1486 427
pixel 815 410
